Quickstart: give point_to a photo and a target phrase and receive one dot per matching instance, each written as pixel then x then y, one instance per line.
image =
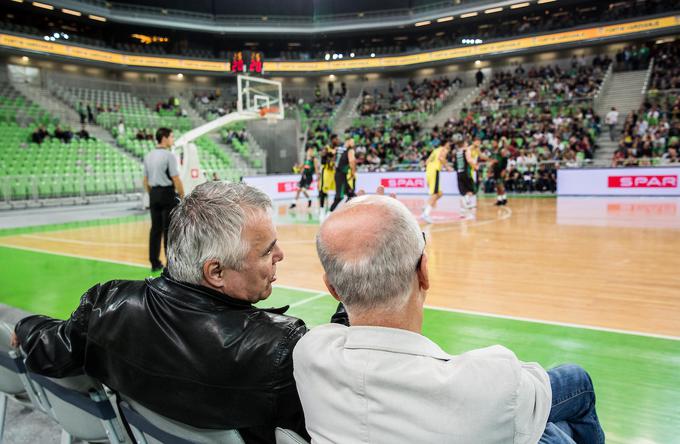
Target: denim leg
pixel 573 402
pixel 556 434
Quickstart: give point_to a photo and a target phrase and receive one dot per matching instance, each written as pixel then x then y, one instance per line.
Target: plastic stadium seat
pixel 151 428
pixel 285 436
pixel 11 369
pixel 81 407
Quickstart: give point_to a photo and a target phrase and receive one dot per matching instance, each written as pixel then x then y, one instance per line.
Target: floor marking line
pixel 75 256
pixel 556 323
pixel 453 310
pixel 309 299
pixel 79 242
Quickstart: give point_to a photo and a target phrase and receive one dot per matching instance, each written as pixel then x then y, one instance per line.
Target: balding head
pixel 369 250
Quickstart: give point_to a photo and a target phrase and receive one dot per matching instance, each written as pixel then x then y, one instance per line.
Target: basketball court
pixel 555 280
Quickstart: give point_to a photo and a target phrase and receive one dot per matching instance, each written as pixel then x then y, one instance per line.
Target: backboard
pixel 260 97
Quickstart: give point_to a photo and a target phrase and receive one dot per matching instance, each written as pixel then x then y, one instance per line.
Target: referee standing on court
pixel 162 182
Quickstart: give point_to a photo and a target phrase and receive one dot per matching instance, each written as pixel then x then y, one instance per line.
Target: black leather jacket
pixel 184 351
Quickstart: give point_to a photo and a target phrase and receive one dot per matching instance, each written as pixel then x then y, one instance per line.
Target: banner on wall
pixel 619 182
pixel 401 183
pixel 545 40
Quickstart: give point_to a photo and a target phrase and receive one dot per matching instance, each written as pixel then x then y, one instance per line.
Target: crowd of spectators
pixel 544 84
pixel 65 135
pixel 651 134
pixel 425 96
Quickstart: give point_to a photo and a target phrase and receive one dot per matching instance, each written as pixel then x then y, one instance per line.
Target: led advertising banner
pixel 273 67
pixel 619 182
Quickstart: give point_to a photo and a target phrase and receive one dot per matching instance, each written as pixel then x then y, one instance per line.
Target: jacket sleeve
pixel 287 408
pixel 534 402
pixel 53 347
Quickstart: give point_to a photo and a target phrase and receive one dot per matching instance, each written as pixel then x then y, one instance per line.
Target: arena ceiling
pixel 307 8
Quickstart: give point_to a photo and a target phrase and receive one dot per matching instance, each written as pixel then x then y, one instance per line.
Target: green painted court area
pixel 637 378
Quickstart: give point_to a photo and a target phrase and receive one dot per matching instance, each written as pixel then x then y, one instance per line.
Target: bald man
pixel 381 380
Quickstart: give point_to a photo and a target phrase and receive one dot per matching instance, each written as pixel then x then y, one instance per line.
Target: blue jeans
pixel 572 417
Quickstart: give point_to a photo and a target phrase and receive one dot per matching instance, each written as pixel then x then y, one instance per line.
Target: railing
pixel 648 77
pixel 604 87
pixel 38 188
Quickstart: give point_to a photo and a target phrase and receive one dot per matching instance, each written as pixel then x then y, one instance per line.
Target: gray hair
pixel 208 224
pixel 383 276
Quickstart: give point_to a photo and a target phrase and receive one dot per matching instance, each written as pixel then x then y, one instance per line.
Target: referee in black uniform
pixel 162 182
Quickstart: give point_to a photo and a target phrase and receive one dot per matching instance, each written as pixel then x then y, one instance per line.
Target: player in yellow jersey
pixel 433 166
pixel 327 176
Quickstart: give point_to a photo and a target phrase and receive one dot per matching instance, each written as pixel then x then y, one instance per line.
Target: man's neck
pixel 409 317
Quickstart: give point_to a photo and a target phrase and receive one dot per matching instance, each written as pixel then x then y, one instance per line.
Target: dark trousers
pixel 161 201
pixel 341 188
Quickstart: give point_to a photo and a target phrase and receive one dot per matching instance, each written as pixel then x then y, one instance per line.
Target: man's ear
pixel 423 274
pixel 330 288
pixel 213 273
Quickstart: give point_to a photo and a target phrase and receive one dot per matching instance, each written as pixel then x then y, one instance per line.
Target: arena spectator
pixel 612 119
pixel 190 345
pixel 397 385
pixel 39 135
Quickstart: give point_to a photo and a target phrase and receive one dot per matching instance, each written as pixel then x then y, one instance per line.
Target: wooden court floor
pixel 608 263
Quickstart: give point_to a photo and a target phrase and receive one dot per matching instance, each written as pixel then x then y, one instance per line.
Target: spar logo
pixel 291 186
pixel 403 182
pixel 656 181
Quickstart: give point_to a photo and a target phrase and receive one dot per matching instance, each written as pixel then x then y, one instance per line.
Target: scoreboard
pixel 250 63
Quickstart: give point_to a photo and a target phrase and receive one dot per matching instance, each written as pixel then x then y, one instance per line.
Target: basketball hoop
pixel 270 114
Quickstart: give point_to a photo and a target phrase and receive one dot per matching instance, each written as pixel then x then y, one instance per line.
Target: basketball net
pixel 269 113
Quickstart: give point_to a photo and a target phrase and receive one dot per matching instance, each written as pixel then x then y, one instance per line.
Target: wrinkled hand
pixel 14 340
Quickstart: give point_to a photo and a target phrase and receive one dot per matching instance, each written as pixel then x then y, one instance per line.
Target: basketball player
pixel 433 166
pixel 309 168
pixel 345 167
pixel 466 170
pixel 500 165
pixel 327 176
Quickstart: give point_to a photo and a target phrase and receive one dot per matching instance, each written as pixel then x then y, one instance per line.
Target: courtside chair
pixel 80 406
pixel 149 427
pixel 285 436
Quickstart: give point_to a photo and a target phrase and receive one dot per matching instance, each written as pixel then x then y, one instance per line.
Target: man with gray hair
pixel 190 345
pixel 382 381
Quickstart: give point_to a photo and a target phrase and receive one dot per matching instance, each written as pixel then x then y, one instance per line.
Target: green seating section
pixel 243 148
pixel 57 169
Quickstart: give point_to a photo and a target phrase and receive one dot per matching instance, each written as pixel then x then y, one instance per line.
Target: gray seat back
pixel 285 436
pixel 151 428
pixel 10 382
pixel 80 407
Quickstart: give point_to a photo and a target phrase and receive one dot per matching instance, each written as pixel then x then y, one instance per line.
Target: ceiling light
pixel 43 5
pixel 425 23
pixel 540 2
pixel 24 59
pixel 335 56
pixel 519 5
pixel 372 54
pixel 180 76
pixel 339 56
pixel 469 14
pixel 445 19
pixel 478 62
pixel 71 12
pixel 56 35
pixel 47 38
pixel 493 10
pixel 327 56
pixel 98 18
pixel 18 1
pixel 351 54
pixel 52 39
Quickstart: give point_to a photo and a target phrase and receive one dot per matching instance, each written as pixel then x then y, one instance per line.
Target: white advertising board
pixel 285 186
pixel 619 182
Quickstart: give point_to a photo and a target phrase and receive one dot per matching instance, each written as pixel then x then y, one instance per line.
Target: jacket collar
pixel 393 340
pixel 200 295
